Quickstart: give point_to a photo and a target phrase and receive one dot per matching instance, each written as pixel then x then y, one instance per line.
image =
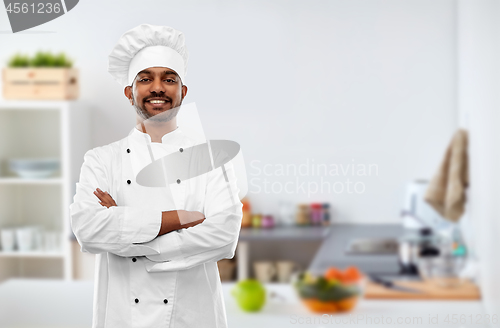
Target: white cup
pixel 264 271
pixel 285 270
pixel 8 239
pixel 52 241
pixel 37 238
pixel 25 238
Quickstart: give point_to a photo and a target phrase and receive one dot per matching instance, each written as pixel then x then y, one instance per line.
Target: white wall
pixel 334 82
pixel 479 103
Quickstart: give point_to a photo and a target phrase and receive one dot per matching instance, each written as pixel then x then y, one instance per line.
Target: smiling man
pixel 157 225
pixel 157 90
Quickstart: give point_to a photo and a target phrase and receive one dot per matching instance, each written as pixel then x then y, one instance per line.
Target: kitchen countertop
pixel 288 311
pixel 32 303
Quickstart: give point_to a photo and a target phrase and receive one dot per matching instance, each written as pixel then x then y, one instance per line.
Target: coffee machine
pixel 420 222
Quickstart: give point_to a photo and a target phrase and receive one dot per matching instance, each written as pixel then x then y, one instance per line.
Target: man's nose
pixel 157 86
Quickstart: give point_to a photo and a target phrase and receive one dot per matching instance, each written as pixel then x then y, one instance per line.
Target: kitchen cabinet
pixel 40 129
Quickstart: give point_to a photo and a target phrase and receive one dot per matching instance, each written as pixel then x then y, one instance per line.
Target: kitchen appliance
pixel 419 221
pixel 416 212
pixel 411 245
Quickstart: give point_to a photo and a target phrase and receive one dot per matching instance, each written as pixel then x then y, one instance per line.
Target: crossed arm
pixel 103 226
pixel 170 220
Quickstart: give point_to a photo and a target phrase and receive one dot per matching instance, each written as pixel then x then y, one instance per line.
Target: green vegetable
pixel 40 59
pixel 325 290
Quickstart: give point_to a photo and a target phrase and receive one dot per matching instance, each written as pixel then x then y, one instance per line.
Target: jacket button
pixel 165 301
pixel 134 259
pixel 178 181
pixel 181 150
pixel 129 182
pixel 137 300
pixel 128 150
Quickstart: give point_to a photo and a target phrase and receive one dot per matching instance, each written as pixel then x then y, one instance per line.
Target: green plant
pixel 19 60
pixel 40 59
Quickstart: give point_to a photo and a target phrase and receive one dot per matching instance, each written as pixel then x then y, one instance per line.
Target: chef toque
pixel 148 46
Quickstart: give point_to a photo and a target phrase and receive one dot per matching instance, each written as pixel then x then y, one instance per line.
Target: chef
pixel 157 230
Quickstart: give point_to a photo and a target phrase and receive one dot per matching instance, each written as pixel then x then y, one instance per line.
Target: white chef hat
pixel 148 46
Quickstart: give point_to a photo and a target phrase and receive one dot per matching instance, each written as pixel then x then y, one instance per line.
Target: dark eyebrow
pixel 164 72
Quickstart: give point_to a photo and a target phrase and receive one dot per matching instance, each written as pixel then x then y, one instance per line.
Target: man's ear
pixel 184 91
pixel 128 91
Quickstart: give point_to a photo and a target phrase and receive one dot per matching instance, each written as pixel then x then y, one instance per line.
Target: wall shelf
pixel 37 254
pixel 40 129
pixel 15 180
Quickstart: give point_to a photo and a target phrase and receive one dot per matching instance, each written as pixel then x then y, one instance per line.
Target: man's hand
pixel 187 218
pixel 105 198
pixel 180 219
pixel 190 219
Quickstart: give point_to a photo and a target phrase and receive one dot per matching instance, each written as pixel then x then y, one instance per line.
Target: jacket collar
pixel 172 138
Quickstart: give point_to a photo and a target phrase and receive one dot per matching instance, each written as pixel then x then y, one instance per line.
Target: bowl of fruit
pixel 335 291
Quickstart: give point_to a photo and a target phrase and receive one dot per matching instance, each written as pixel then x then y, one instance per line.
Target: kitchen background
pixel 375 89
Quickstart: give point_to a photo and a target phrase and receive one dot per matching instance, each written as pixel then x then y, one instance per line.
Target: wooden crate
pixel 40 83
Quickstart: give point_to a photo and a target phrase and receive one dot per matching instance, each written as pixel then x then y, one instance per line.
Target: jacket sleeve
pixel 212 240
pixel 120 230
pixel 188 262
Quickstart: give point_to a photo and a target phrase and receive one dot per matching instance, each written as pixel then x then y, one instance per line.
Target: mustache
pixel 158 97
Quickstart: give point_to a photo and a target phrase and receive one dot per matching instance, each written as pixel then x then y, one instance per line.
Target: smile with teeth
pixel 156 101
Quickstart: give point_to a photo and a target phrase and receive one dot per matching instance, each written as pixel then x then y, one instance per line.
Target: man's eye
pixel 143 79
pixel 170 80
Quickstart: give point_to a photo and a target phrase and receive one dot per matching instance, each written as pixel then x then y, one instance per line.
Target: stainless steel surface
pixel 369 246
pixel 332 252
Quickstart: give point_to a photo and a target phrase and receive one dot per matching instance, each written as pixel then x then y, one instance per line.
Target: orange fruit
pixel 333 274
pixel 318 306
pixel 351 275
pixel 347 304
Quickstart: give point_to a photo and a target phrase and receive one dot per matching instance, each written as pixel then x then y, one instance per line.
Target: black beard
pixel 160 117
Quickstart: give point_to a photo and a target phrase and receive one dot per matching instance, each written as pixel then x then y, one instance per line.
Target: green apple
pixel 250 295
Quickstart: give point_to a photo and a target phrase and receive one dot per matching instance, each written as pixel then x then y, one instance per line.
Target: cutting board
pixel 429 291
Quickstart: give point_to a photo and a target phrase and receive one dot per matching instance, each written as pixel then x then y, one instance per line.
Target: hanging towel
pixel 446 191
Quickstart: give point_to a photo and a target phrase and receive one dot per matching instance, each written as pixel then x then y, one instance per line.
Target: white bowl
pixel 34 168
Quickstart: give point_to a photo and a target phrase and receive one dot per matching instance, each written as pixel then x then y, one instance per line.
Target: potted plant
pixel 43 76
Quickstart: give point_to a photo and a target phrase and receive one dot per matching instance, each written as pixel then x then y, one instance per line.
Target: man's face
pixel 156 90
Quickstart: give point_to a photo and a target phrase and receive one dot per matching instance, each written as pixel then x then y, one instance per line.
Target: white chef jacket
pixel 142 281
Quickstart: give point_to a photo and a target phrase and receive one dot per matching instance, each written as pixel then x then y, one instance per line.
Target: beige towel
pixel 446 191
